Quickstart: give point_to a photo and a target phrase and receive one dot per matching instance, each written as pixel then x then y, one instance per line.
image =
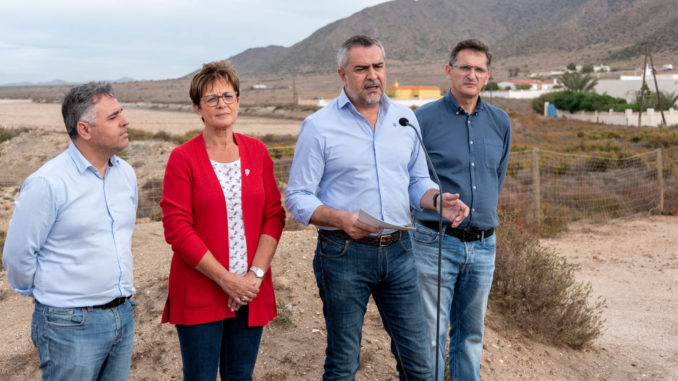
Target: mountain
pixel 547 33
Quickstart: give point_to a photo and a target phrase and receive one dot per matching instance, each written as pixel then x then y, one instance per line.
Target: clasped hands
pixel 240 289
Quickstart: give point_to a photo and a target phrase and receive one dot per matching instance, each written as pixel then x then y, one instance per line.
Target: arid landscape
pixel 631 262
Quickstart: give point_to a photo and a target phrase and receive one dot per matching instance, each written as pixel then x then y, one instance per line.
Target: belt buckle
pixel 382 242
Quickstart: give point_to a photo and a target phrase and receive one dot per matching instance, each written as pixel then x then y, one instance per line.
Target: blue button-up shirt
pixel 69 242
pixel 340 162
pixel 470 154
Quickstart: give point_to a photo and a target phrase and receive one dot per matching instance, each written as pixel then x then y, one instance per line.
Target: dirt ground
pixel 632 263
pixel 15 114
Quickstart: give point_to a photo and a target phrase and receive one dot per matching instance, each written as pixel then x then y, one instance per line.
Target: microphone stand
pixel 406 123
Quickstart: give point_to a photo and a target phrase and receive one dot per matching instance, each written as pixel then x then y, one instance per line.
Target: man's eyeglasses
pixel 480 71
pixel 213 100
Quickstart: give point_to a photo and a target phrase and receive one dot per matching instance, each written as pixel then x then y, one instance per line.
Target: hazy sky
pixel 82 40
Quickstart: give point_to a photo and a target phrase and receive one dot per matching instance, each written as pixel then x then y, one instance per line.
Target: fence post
pixel 660 179
pixel 537 186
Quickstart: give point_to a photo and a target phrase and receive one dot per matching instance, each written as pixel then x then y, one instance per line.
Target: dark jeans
pixel 347 274
pixel 229 345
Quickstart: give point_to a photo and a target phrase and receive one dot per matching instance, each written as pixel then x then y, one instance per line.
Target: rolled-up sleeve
pixel 33 217
pixel 306 173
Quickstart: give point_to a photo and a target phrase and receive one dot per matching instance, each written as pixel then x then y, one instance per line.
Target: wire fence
pixel 570 187
pixel 539 183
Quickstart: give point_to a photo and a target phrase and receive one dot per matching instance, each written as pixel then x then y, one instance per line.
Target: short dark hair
pixel 472 44
pixel 78 105
pixel 210 73
pixel 361 40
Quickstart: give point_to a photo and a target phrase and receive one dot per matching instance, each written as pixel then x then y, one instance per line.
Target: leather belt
pixel 372 240
pixel 465 235
pixel 113 303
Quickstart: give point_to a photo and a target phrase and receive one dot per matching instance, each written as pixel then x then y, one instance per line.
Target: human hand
pixel 454 210
pixel 356 229
pixel 240 289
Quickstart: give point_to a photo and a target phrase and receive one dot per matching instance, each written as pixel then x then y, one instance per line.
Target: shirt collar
pixel 82 164
pixel 460 110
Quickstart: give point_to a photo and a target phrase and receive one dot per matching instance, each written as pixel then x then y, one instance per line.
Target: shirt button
pixel 473 164
pixel 473 210
pixel 471 142
pixel 474 187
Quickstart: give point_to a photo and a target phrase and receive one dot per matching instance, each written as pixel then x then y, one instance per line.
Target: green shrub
pixel 538 102
pixel 536 290
pixel 574 102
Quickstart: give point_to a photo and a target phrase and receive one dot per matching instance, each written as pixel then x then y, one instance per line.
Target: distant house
pixel 514 84
pixel 628 86
pixel 412 92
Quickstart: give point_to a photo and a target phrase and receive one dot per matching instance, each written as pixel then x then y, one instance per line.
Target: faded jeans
pixel 84 343
pixel 347 273
pixel 467 271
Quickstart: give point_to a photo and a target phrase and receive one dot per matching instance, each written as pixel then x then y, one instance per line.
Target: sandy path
pixel 633 264
pixel 48 116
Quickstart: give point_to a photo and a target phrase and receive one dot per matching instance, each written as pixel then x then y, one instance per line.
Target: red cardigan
pixel 194 218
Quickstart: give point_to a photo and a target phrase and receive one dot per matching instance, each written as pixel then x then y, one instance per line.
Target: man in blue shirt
pixel 351 155
pixel 69 245
pixel 468 141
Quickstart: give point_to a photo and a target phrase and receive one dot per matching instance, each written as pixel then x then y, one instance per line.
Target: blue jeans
pixel 467 271
pixel 84 343
pixel 229 345
pixel 347 273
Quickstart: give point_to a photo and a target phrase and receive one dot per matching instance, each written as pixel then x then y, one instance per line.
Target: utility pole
pixel 656 86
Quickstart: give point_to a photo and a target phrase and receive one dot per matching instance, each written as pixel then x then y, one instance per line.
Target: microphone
pixel 406 123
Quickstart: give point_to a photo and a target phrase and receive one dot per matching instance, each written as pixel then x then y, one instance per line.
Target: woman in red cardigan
pixel 223 217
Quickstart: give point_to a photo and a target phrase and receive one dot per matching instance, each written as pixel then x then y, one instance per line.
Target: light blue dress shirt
pixel 340 162
pixel 69 242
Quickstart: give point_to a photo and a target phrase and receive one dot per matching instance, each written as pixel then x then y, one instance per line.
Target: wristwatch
pixel 259 273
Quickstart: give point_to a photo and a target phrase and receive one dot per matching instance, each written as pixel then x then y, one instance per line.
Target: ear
pixel 84 130
pixel 342 75
pixel 448 71
pixel 487 77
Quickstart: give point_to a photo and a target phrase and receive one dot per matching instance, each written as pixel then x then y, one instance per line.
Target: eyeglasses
pixel 213 100
pixel 480 71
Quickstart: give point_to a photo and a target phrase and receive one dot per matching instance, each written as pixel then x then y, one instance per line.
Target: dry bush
pixel 536 290
pixel 9 133
pixel 150 195
pixel 2 245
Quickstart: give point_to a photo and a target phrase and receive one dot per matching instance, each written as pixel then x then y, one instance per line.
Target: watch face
pixel 259 273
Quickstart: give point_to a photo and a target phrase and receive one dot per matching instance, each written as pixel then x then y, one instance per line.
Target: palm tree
pixel 577 83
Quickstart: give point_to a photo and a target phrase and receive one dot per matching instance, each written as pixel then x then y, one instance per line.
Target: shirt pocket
pixel 494 149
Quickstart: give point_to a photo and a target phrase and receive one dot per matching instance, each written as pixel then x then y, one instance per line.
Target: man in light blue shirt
pixel 69 244
pixel 353 155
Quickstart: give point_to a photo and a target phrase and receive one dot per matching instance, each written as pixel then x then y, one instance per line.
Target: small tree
pixel 588 68
pixel 524 86
pixel 577 83
pixel 491 86
pixel 571 66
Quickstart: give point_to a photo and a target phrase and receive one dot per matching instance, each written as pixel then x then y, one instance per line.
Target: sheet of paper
pixel 369 219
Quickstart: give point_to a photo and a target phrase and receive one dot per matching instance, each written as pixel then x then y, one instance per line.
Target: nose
pixel 371 73
pixel 125 121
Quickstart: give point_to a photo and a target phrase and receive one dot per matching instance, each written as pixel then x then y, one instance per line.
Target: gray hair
pixel 79 104
pixel 361 40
